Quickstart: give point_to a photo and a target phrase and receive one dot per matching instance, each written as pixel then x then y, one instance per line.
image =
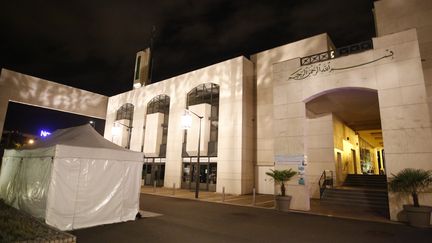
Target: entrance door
pixel 354 160
pixel 207 176
pixel 340 174
pixel 154 172
pixel 147 175
pixel 203 174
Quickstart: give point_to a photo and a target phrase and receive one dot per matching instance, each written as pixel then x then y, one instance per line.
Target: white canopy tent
pixel 73 179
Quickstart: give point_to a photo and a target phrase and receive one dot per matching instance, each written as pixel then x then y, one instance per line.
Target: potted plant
pixel 412 182
pixel 280 177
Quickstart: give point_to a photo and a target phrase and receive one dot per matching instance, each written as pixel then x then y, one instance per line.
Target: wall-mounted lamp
pixel 116 130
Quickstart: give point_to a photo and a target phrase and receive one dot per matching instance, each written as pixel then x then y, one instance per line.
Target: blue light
pixel 44 133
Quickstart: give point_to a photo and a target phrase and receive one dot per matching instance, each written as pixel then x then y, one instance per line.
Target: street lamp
pixel 116 130
pixel 187 123
pixel 92 123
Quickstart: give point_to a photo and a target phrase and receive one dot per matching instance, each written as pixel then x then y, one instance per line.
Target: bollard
pixel 253 197
pixel 223 194
pixel 173 188
pixel 154 186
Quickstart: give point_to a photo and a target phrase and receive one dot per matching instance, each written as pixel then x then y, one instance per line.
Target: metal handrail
pixel 325 181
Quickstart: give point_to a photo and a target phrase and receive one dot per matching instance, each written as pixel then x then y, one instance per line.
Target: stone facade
pixel 235 128
pixel 25 89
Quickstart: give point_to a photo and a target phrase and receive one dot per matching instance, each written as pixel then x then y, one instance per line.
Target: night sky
pixel 92 44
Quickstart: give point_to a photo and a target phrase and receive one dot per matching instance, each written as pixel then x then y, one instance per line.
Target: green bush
pixel 15 226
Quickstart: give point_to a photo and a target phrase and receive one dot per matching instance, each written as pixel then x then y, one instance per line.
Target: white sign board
pixel 289 159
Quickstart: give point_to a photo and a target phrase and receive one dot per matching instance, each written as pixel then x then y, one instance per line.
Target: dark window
pixel 125 112
pixel 159 104
pixel 137 70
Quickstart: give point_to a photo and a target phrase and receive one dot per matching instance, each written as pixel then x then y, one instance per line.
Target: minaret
pixel 142 64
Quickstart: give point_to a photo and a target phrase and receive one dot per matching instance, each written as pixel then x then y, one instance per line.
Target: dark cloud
pixel 92 44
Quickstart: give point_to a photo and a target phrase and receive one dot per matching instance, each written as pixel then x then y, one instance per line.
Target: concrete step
pixel 371 181
pixel 355 201
pixel 352 196
pixel 368 184
pixel 380 207
pixel 356 197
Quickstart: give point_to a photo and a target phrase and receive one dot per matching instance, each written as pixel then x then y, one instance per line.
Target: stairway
pixel 360 192
pixel 367 181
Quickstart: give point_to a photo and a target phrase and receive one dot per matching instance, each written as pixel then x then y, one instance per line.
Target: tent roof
pixel 79 136
pixel 77 142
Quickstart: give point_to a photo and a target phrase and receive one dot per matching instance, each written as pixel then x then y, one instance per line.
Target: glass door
pixel 207 176
pixel 202 176
pixel 154 172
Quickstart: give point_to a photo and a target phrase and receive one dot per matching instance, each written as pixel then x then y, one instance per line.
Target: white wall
pixel 272 103
pixel 233 162
pixel 35 91
pixel 203 110
pixel 121 133
pixel 153 134
pixel 410 111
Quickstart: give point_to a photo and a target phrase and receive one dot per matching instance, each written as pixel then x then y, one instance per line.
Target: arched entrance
pixel 350 119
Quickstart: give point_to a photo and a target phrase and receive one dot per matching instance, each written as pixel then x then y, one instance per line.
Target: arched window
pixel 160 104
pixel 125 112
pixel 204 93
pixel 207 93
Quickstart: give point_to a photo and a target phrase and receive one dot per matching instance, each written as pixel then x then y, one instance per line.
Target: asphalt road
pixel 186 220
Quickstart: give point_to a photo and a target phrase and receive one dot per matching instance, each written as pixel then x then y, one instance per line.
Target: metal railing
pixel 325 181
pixel 342 51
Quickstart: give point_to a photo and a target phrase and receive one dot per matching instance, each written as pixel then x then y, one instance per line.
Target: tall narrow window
pixel 157 113
pixel 155 140
pixel 137 68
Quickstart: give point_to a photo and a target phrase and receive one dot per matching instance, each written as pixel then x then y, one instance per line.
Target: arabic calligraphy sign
pixel 311 70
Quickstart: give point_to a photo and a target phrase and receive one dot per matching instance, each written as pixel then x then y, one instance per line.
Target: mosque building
pixel 360 111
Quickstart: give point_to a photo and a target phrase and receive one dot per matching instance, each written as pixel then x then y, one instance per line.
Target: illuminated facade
pixel 304 101
pixel 363 109
pixel 223 95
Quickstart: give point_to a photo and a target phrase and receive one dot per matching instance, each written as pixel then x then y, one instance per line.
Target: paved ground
pixel 267 201
pixel 185 220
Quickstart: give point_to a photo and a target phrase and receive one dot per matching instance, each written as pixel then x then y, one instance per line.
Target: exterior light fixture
pixel 31 141
pixel 92 123
pixel 117 131
pixel 187 124
pixel 137 85
pixel 186 120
